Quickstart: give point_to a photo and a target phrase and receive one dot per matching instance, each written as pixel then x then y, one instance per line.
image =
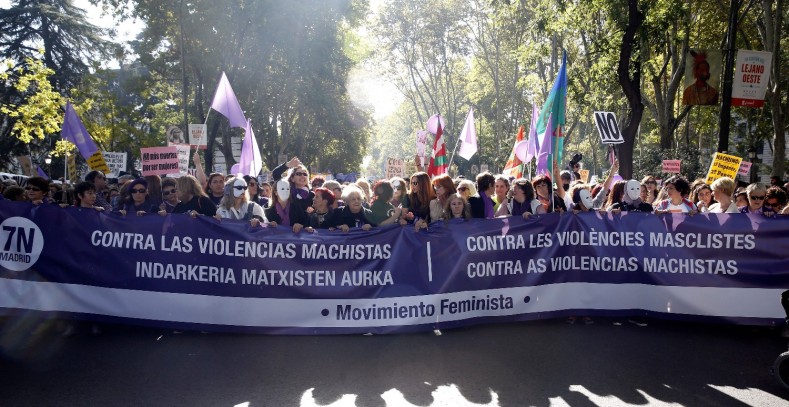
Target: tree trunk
pixel 630 61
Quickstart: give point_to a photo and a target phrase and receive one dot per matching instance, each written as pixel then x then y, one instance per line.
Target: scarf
pixel 284 213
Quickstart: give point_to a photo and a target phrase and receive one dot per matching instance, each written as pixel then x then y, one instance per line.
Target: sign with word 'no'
pixel 608 128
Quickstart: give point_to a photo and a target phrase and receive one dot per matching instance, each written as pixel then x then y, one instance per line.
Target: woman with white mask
pixel 631 199
pixel 283 211
pixel 235 204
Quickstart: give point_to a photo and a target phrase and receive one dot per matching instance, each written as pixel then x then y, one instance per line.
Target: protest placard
pixel 116 163
pixel 395 167
pixel 96 162
pixel 671 166
pixel 159 160
pixel 723 165
pixel 198 136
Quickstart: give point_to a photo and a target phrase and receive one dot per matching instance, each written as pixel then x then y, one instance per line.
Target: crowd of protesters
pixel 296 200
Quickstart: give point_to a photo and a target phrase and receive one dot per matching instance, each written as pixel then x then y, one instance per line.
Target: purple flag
pixel 528 149
pixel 250 162
pixel 225 102
pixel 41 173
pixel 545 149
pixel 75 132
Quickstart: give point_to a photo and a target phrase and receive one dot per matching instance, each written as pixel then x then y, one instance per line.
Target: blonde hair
pixel 190 185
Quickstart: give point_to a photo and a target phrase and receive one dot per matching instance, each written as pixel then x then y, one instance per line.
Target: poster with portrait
pixel 175 136
pixel 702 77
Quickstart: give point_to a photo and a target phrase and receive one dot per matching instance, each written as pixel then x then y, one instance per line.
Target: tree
pixel 58 27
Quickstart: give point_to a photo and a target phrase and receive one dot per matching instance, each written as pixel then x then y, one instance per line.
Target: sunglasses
pixel 168 191
pixel 301 174
pixel 462 189
pixel 397 188
pixel 772 205
pixel 239 187
pixel 414 182
pixel 33 189
pixel 138 191
pixel 756 198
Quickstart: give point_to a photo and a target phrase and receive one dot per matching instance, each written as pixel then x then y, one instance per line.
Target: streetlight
pixel 752 153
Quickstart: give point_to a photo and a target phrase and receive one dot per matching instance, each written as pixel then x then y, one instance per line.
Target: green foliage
pixel 36 111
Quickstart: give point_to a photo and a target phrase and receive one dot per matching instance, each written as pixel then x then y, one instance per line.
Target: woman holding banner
pixel 138 201
pixel 299 178
pixel 677 189
pixel 236 204
pixel 723 189
pixel 194 200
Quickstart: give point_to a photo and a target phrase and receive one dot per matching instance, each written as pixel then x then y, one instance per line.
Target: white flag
pixel 468 137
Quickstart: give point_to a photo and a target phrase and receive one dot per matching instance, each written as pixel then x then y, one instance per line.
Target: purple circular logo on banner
pixel 21 243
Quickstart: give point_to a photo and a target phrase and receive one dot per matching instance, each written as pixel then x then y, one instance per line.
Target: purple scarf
pixel 284 213
pixel 301 193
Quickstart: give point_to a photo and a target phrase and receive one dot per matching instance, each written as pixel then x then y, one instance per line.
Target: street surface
pixel 544 363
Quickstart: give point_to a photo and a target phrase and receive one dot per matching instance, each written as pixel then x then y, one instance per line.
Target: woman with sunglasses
pixel 138 201
pixel 299 179
pixel 400 196
pixel 755 193
pixel 255 191
pixel 169 196
pixel 419 198
pixel 651 185
pixel 36 190
pixel 235 204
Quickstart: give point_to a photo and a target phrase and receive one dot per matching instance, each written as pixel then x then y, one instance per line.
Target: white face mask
pixel 633 189
pixel 239 187
pixel 586 198
pixel 283 191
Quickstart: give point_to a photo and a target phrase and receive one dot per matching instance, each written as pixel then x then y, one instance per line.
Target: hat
pixel 138 181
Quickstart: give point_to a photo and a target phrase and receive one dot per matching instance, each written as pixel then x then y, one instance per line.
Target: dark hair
pixel 14 193
pixel 383 190
pixel 91 176
pixel 484 181
pixel 680 184
pixel 81 188
pixel 39 183
pixel 540 179
pixel 777 193
pixel 326 194
pixel 526 187
pixel 211 177
pixel 616 193
pixel 423 193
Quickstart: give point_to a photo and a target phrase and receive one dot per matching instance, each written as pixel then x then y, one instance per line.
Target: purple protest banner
pixel 180 272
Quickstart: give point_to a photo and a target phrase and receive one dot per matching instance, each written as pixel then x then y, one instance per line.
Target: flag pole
pixel 453 153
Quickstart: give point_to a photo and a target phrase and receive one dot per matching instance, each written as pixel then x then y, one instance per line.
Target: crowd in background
pixel 298 201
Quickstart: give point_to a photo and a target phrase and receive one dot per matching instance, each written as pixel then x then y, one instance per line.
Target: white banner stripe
pixel 318 313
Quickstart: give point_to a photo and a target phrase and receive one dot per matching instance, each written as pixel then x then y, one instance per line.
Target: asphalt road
pixel 547 363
